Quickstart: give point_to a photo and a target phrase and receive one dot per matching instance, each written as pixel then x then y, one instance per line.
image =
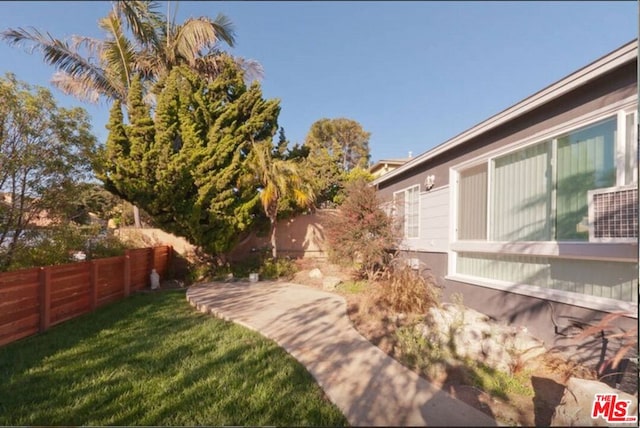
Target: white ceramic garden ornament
pixel 155 279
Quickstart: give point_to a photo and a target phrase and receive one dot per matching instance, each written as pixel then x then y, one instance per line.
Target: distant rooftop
pixel 384 166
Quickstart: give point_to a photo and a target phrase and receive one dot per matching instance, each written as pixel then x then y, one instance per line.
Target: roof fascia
pixel 578 78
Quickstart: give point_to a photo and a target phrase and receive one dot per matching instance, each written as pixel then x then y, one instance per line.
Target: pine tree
pixel 116 166
pixel 191 161
pixel 140 133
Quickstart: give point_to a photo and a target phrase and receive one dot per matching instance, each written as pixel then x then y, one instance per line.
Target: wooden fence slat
pixel 33 300
pixel 93 284
pixel 26 306
pixel 127 274
pixel 45 302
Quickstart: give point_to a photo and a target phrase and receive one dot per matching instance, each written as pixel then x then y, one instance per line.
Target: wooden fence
pixel 32 300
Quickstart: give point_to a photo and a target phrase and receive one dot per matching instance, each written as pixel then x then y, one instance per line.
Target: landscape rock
pixel 467 333
pixel 315 274
pixel 330 283
pixel 577 403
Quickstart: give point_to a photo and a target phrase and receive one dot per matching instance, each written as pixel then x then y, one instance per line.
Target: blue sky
pixel 414 74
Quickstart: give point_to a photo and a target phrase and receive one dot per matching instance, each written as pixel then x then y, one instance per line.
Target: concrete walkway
pixel 371 388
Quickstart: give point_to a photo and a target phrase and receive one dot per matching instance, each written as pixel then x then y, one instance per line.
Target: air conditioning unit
pixel 613 214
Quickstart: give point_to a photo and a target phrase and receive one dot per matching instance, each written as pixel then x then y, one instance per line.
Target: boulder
pixel 471 334
pixel 576 406
pixel 329 283
pixel 315 274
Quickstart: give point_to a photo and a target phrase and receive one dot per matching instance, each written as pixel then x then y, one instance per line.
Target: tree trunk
pixel 274 250
pixel 136 217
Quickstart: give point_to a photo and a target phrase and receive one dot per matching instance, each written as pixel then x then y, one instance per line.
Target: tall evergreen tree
pixel 344 140
pixel 190 179
pixel 336 146
pixel 138 40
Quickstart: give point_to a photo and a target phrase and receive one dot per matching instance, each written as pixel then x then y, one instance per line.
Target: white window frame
pixel 614 251
pixel 405 223
pixel 619 110
pixel 622 130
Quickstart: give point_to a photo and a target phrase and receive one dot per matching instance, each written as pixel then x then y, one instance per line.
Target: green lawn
pixel 152 359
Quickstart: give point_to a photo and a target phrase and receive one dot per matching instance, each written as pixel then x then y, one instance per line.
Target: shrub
pixel 361 233
pixel 54 246
pixel 107 246
pixel 352 287
pixel 277 268
pixel 261 263
pixel 408 291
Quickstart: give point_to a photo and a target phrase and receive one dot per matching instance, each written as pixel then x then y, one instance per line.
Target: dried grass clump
pixel 408 291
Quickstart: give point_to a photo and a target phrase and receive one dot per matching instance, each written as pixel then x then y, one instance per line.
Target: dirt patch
pixel 544 377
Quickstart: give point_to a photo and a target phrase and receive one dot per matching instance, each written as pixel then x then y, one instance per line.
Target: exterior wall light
pixel 429 182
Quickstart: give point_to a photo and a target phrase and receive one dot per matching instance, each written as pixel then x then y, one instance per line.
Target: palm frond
pixel 277 178
pixel 151 65
pixel 142 19
pixel 81 89
pixel 59 54
pixel 192 37
pixel 209 66
pixel 301 197
pixel 253 70
pixel 224 29
pixel 92 45
pixel 269 196
pixel 117 54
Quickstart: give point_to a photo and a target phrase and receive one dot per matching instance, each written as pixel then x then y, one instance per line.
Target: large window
pixel 612 280
pixel 539 192
pixel 407 211
pixel 521 195
pixel 472 203
pixel 586 161
pixel 631 149
pixel 515 204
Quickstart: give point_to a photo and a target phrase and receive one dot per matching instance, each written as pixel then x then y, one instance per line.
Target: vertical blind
pixel 522 182
pixel 586 161
pixel 631 151
pixel 472 203
pixel 413 212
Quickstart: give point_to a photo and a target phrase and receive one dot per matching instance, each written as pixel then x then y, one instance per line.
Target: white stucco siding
pixel 434 222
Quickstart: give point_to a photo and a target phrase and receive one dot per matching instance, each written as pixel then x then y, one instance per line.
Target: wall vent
pixel 613 214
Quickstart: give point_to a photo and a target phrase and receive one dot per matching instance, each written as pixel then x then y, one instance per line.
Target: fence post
pixel 45 298
pixel 154 250
pixel 127 274
pixel 169 260
pixel 93 287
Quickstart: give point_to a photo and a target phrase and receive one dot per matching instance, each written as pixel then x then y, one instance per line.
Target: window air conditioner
pixel 613 214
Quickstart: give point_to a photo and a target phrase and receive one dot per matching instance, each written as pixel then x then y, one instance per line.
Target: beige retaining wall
pixel 299 237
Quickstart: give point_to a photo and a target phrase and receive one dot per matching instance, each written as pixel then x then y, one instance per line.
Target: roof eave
pixel 578 78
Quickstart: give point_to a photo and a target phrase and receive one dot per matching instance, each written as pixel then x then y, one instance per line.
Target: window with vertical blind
pixel 521 195
pixel 585 161
pixel 539 192
pixel 472 203
pixel 407 211
pixel 538 195
pixel 631 149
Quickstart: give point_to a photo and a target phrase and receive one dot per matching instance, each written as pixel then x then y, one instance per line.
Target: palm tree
pixel 278 179
pixel 89 68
